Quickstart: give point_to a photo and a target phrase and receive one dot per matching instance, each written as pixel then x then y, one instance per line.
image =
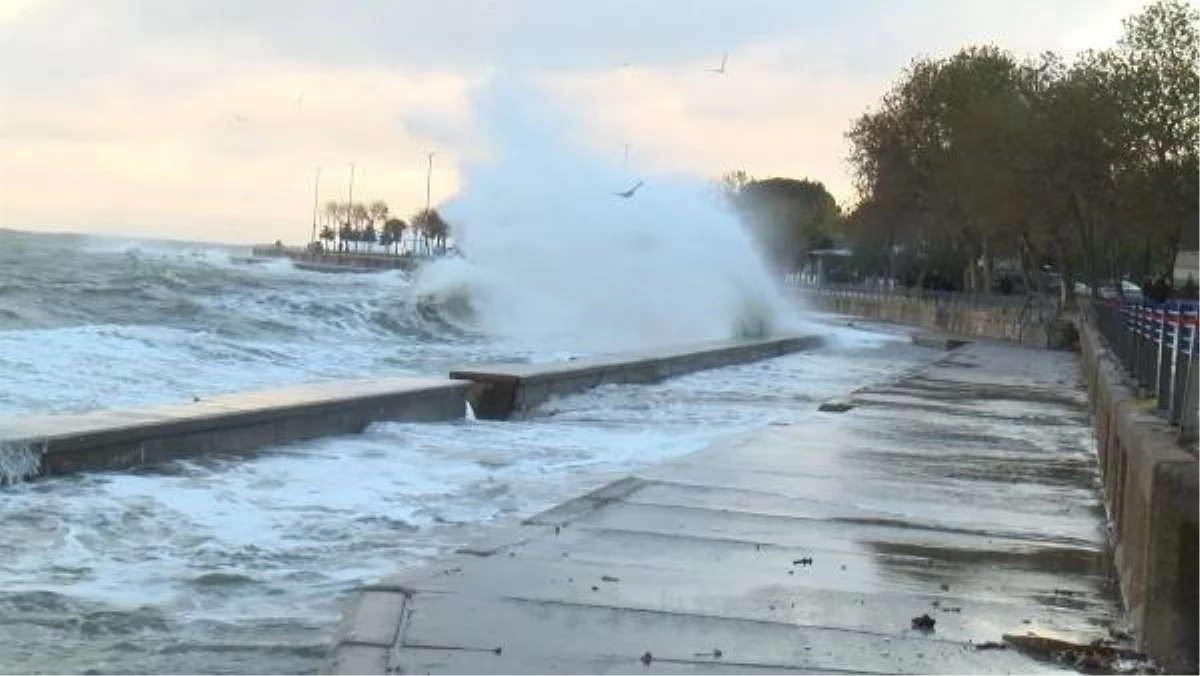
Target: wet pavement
pixel 936 512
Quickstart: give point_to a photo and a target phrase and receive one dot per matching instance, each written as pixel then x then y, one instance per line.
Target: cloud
pixel 233 155
pixel 137 117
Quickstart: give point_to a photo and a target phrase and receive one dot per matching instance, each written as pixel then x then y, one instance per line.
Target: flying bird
pixel 240 118
pixel 628 193
pixel 721 69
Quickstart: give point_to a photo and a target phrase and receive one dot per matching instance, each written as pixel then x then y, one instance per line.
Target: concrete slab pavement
pixel 966 491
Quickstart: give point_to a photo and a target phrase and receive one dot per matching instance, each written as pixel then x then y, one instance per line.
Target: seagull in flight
pixel 721 69
pixel 628 193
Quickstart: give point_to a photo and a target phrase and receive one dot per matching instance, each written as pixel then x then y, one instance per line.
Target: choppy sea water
pixel 242 565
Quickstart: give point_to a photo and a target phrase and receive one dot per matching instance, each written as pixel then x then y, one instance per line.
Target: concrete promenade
pixel 965 493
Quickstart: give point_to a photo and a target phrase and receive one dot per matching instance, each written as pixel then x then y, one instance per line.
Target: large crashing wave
pixel 558 261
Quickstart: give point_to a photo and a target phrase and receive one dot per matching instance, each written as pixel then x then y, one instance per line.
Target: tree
pixel 360 218
pixel 431 226
pixel 789 217
pixel 393 232
pixel 333 219
pixel 378 211
pixel 327 235
pixel 1090 166
pixel 369 236
pixel 1157 83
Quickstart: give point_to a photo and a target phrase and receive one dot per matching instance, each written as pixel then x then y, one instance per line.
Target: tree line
pixel 1085 167
pixel 350 226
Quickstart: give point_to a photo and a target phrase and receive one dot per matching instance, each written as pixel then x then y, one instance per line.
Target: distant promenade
pixel 342 261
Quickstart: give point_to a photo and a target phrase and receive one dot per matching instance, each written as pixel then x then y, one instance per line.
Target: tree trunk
pixel 987 268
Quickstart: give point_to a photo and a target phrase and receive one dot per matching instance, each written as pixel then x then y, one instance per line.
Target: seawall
pixel 1030 324
pixel 32 446
pixel 504 390
pixel 1150 491
pixel 229 423
pixel 347 261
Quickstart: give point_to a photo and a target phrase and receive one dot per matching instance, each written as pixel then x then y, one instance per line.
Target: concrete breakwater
pixel 1150 490
pixel 230 423
pixel 35 446
pixel 504 390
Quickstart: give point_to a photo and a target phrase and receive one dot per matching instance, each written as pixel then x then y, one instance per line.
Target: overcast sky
pixel 207 119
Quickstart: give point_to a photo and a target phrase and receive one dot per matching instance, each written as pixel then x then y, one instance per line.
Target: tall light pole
pixel 428 178
pixel 349 203
pixel 316 200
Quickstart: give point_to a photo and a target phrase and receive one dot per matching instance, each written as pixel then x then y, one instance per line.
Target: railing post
pixel 1162 370
pixel 1188 412
pixel 1185 351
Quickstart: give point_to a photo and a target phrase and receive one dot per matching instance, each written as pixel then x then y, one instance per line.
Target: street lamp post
pixel 316 200
pixel 350 199
pixel 428 179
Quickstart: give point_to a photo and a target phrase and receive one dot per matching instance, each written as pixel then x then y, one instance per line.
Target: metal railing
pixel 1156 344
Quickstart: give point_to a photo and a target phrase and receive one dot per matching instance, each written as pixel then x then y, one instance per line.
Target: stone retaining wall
pixel 1150 490
pixel 1011 322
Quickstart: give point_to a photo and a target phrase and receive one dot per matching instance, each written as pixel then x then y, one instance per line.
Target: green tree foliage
pixel 432 229
pixel 789 217
pixel 1090 165
pixel 393 233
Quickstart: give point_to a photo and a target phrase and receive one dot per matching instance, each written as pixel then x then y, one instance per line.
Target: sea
pixel 244 564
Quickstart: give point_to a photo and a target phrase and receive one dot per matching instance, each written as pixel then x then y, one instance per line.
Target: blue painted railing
pixel 1157 344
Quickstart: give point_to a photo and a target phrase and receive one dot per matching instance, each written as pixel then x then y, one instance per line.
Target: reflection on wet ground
pixel 937 513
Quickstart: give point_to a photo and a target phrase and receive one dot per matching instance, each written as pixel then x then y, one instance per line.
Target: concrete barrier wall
pixel 1150 490
pixel 1000 322
pixel 231 423
pixel 501 391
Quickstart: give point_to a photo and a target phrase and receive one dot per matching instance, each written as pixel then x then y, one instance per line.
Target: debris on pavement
pixel 923 623
pixel 1098 657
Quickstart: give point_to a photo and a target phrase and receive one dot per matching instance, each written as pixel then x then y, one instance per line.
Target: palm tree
pixel 431 225
pixel 359 218
pixel 332 210
pixel 439 229
pixel 378 211
pixel 327 235
pixel 393 230
pixel 369 236
pixel 345 227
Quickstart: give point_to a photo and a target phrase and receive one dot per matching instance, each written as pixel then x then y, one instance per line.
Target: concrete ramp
pixel 500 391
pixel 229 423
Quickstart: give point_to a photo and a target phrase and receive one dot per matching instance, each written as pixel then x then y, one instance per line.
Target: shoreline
pixel 345 261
